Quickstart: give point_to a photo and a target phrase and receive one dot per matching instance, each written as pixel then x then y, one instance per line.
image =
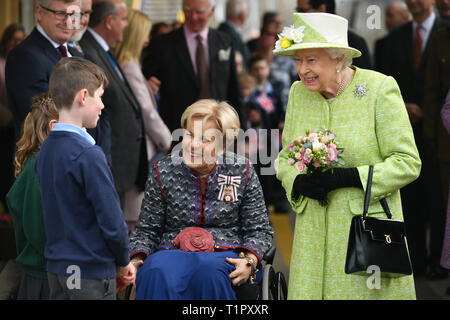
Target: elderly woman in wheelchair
pixel 204 227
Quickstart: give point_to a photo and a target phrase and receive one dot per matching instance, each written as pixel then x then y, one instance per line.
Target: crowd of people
pixel 117 140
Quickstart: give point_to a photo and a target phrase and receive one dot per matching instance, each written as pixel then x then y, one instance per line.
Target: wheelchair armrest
pixel 269 255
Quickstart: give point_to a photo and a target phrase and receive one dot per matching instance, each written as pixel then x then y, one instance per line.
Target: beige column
pixel 9 13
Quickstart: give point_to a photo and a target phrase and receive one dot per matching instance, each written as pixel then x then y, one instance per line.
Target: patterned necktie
pixel 417 47
pixel 63 51
pixel 202 69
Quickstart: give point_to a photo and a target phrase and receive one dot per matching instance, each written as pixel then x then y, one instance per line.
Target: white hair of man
pixel 212 3
pixel 337 53
pixel 236 7
pixel 46 3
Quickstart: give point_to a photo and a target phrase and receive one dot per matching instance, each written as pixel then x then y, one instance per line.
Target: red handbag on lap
pixel 195 239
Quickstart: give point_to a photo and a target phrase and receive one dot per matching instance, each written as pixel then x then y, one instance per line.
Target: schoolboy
pixel 86 232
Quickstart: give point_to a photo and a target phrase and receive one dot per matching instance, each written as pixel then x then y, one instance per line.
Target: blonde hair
pixel 224 115
pixel 35 129
pixel 134 37
pixel 246 78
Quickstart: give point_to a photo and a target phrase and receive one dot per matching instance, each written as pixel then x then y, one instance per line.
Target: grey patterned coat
pixel 173 201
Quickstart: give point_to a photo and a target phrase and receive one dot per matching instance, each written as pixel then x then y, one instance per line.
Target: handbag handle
pixel 383 201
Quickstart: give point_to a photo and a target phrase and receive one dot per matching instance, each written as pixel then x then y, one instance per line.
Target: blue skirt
pixel 180 275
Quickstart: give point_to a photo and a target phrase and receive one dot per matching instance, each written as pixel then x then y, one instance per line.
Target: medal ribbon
pixel 228 181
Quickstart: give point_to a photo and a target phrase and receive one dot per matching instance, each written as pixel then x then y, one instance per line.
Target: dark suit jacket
pixel 168 59
pixel 28 70
pixel 120 125
pixel 358 42
pixel 400 63
pixel 238 44
pixel 381 54
pixel 436 88
pixel 424 194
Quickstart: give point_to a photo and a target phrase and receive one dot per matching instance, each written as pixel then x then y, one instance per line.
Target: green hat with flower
pixel 314 30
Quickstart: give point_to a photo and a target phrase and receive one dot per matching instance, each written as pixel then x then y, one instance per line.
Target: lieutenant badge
pixel 228 188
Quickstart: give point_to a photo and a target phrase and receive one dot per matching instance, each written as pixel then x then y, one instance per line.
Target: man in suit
pixel 437 85
pixel 120 129
pixel 237 13
pixel 192 62
pixel 422 200
pixel 29 65
pixel 397 14
pixel 354 40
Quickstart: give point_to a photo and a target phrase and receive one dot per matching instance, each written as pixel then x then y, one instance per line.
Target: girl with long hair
pixel 24 200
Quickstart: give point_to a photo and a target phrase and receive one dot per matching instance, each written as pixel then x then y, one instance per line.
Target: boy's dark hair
pixel 255 59
pixel 70 75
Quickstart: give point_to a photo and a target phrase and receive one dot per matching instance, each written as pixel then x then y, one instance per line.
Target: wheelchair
pixel 272 286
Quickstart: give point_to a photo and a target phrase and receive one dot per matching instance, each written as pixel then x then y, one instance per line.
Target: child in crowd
pixel 247 84
pixel 87 236
pixel 24 200
pixel 264 96
pixel 265 112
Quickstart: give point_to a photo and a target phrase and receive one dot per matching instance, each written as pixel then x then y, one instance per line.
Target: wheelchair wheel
pixel 273 284
pixel 281 286
pixel 268 281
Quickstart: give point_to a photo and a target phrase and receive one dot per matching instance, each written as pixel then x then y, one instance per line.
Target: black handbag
pixel 377 242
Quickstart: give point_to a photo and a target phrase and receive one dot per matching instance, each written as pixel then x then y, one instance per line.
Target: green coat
pixel 374 129
pixel 25 205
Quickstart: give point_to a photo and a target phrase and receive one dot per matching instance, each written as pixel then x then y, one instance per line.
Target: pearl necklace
pixel 342 86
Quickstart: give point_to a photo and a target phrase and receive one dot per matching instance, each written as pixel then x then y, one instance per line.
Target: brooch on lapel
pixel 224 55
pixel 360 90
pixel 228 185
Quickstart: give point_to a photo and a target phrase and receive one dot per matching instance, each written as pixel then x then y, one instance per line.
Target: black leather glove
pixel 302 186
pixel 317 185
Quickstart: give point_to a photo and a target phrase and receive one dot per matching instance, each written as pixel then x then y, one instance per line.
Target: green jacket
pixel 374 129
pixel 25 205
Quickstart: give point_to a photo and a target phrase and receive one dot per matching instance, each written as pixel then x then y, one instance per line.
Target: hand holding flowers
pixel 316 152
pixel 312 155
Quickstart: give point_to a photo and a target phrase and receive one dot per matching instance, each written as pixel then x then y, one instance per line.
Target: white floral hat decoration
pixel 314 30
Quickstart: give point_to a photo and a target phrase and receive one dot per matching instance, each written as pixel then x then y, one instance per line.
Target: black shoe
pixel 436 272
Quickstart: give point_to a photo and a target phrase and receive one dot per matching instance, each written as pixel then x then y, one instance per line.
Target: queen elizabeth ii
pixel 366 112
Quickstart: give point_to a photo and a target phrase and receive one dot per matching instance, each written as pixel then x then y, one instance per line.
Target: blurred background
pixel 356 11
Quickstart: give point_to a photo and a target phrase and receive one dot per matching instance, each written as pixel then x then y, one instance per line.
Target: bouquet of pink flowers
pixel 316 152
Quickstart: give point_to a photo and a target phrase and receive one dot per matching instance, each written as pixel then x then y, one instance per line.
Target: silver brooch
pixel 360 90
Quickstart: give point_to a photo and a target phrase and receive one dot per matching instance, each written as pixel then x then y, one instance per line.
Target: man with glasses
pixel 192 62
pixel 29 65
